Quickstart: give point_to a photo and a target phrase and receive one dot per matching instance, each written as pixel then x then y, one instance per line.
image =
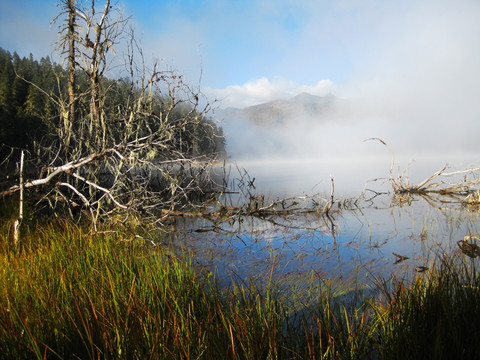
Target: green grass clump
pixel 437 317
pixel 68 294
pixel 76 295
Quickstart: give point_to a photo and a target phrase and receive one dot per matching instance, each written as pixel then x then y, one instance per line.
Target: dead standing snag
pixel 153 149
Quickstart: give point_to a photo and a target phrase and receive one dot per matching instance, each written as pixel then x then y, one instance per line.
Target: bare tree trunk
pixel 98 56
pixel 18 222
pixel 70 119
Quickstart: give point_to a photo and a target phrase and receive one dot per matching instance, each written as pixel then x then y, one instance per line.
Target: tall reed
pixel 436 317
pixel 69 294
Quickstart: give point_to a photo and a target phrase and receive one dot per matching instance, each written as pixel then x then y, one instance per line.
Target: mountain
pixel 281 112
pixel 304 125
pixel 306 98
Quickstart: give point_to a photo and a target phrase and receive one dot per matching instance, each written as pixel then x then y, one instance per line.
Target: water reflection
pixel 358 241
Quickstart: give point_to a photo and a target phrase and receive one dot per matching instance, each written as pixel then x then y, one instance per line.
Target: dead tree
pixel 131 157
pixel 71 75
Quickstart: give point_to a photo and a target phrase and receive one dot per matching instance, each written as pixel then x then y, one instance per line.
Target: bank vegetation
pixel 69 294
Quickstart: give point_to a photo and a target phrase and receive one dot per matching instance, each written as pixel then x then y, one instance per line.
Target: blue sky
pixel 255 50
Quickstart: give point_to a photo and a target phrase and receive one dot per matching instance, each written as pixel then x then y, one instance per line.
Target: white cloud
pixel 263 90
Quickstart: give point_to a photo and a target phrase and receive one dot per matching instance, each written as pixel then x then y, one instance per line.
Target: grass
pixel 435 318
pixel 68 294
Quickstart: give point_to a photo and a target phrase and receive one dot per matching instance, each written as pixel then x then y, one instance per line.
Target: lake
pixel 353 245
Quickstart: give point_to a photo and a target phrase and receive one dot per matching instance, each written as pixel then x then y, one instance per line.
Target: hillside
pixel 282 112
pixel 277 128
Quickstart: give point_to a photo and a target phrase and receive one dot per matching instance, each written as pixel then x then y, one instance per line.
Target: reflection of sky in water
pixel 359 246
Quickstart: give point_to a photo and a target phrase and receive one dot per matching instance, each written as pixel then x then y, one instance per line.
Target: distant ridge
pixel 278 112
pixel 306 98
pixel 278 127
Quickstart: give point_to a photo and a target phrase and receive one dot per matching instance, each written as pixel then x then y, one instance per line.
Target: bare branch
pixel 55 171
pixel 98 187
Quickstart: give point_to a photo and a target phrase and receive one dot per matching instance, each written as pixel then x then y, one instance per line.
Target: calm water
pixel 355 244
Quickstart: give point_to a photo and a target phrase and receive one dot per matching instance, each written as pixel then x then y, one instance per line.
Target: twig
pixel 439 172
pixel 329 204
pixel 461 172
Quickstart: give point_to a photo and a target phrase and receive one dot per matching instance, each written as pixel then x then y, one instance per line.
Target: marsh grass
pixel 68 294
pixel 436 317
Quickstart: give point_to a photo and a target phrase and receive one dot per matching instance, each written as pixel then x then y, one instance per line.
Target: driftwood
pixel 399 258
pixel 54 171
pixel 469 246
pixel 435 184
pixel 257 208
pixel 427 186
pixel 435 189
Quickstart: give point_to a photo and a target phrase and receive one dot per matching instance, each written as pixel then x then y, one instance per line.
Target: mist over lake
pixel 324 146
pixel 306 140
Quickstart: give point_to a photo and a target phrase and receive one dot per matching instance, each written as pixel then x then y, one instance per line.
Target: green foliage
pixel 27 114
pixel 22 106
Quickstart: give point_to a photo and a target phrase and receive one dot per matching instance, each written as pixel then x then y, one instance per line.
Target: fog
pixel 407 72
pixel 418 92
